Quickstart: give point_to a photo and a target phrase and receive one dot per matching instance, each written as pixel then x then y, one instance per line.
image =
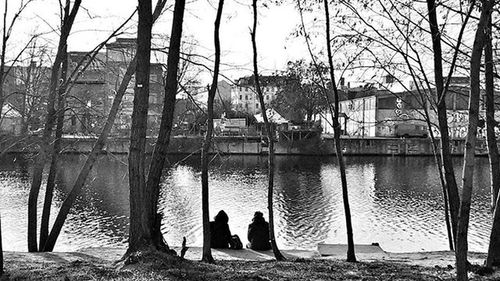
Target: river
pixel 395 201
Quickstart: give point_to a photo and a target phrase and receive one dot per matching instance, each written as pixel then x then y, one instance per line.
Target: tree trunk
pixel 470 142
pixel 437 158
pixel 87 166
pixel 49 190
pixel 494 245
pixel 96 149
pixel 140 236
pixel 490 119
pixel 2 58
pixel 351 257
pixel 270 141
pixel 435 153
pixel 493 258
pixel 1 248
pixel 207 252
pixel 45 146
pixel 451 184
pixel 27 91
pixel 161 146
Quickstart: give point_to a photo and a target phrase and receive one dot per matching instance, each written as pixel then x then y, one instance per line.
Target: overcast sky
pixel 100 17
pixel 276 46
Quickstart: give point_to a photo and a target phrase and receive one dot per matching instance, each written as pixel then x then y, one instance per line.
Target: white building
pixel 382 113
pixel 244 96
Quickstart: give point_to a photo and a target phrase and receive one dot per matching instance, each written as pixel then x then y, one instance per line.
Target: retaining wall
pixel 257 145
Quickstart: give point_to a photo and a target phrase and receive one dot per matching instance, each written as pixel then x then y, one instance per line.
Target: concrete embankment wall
pixel 256 145
pixel 402 146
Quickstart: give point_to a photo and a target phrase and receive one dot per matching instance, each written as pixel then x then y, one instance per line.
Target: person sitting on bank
pixel 258 233
pixel 220 235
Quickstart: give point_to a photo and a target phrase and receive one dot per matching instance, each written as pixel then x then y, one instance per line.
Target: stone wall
pixel 256 145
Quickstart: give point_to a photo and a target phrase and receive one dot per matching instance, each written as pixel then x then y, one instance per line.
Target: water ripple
pixel 394 201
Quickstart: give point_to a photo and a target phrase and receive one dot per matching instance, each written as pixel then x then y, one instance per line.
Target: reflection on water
pixel 395 201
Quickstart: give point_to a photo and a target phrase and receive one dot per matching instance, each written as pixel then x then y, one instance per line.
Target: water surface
pixel 395 201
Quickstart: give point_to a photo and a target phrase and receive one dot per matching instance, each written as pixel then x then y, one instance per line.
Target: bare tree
pixel 301 94
pixel 408 41
pixel 493 252
pixel 493 257
pixel 64 88
pixel 451 185
pixel 6 34
pixel 139 231
pixel 334 112
pixel 351 257
pixel 470 141
pixel 207 253
pixel 68 17
pixel 30 96
pixel 145 222
pixel 98 145
pixel 490 118
pixel 161 146
pixel 270 140
pixel 1 248
pixel 49 190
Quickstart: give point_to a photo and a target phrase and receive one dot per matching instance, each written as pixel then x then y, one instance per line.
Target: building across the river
pixel 93 91
pixel 372 112
pixel 244 96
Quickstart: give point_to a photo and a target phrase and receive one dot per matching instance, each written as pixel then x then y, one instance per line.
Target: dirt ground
pixel 100 264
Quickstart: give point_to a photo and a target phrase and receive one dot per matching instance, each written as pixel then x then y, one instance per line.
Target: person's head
pixel 258 217
pixel 221 217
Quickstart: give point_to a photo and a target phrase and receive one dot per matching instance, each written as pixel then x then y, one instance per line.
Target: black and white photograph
pixel 249 140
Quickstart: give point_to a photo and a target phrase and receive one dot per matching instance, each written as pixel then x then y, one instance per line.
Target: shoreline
pixel 112 254
pixel 100 264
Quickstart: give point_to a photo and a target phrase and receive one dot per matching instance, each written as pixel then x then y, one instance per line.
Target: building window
pixel 256 105
pixel 241 97
pixel 246 97
pixel 267 97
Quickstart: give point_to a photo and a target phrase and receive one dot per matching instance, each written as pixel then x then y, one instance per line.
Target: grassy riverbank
pixel 80 266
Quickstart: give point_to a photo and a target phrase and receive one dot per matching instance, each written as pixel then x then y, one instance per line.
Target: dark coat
pixel 220 236
pixel 258 235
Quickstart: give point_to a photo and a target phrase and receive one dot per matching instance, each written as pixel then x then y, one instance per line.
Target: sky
pixel 275 42
pixel 96 21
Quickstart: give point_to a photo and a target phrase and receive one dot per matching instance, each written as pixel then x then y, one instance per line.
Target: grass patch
pixel 163 267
